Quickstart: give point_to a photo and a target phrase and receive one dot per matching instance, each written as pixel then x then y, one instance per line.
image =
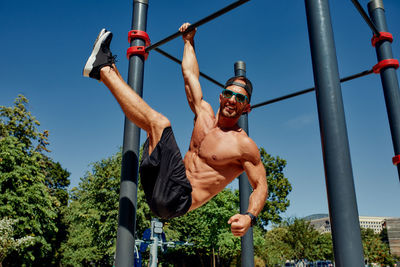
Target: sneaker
pixel 103 31
pixel 101 55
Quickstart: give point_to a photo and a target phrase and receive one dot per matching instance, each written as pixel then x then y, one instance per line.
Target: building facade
pixel 393 230
pixel 377 224
pixel 322 225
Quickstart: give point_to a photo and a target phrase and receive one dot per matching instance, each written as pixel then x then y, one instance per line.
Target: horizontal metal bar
pixel 308 90
pixel 197 24
pixel 274 100
pixel 366 17
pixel 162 52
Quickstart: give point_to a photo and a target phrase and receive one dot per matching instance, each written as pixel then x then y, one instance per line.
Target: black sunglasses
pixel 239 97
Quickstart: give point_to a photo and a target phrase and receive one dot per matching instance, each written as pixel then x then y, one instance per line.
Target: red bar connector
pixel 138 50
pixel 386 63
pixel 139 34
pixel 396 160
pixel 383 36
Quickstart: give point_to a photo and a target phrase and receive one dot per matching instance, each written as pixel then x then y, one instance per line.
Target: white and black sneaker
pixel 101 55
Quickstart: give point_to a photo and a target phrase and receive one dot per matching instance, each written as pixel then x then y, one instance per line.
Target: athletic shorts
pixel 163 177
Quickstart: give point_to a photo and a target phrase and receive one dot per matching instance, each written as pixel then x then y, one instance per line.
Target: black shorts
pixel 163 177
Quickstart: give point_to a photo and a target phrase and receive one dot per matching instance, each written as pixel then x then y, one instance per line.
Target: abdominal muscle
pixel 207 180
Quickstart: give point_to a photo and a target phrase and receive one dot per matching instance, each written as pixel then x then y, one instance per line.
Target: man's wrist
pixel 253 218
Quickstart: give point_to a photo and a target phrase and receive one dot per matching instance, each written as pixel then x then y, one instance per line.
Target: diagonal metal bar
pixel 197 24
pixel 366 17
pixel 162 52
pixel 305 91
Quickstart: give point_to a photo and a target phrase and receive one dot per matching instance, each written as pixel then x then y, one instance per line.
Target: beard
pixel 230 114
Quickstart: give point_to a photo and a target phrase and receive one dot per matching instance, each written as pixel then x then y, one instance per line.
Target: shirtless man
pixel 219 149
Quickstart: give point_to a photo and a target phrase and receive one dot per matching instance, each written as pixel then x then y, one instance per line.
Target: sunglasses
pixel 239 97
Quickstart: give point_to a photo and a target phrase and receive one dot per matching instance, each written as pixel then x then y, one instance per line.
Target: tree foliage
pixel 207 226
pixel 208 230
pixel 7 241
pixel 93 212
pixel 279 188
pixel 33 191
pixel 306 242
pixel 93 216
pixel 375 250
pixel 25 172
pixel 296 239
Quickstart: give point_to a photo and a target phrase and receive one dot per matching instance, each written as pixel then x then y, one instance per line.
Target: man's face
pixel 231 107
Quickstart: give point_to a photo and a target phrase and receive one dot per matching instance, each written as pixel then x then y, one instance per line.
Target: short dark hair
pixel 247 86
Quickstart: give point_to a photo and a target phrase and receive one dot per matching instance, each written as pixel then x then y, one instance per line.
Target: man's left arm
pixel 255 171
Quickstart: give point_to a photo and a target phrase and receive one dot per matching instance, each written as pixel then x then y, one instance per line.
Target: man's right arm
pixel 191 73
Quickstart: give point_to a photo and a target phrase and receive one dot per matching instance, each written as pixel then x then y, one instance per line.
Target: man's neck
pixel 227 123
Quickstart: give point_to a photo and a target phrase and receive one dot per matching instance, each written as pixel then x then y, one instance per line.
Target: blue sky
pixel 46 44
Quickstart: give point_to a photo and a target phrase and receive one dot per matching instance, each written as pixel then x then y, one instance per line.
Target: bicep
pixel 252 164
pixel 194 93
pixel 256 173
pixel 195 99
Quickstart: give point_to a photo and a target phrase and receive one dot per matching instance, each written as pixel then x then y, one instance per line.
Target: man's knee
pixel 160 122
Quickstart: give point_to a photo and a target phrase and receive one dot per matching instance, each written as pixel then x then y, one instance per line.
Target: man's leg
pixel 134 107
pixel 100 66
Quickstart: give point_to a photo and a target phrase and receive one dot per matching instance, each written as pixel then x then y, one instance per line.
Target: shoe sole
pixel 96 47
pixel 103 31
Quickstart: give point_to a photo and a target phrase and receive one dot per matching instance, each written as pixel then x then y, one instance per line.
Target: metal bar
pixel 197 24
pixel 308 90
pixel 389 80
pixel 162 52
pixel 345 79
pixel 365 17
pixel 244 186
pixel 342 202
pixel 130 152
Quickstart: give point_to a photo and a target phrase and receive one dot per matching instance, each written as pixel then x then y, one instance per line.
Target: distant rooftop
pixel 316 216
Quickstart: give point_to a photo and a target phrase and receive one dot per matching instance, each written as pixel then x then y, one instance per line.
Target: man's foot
pixel 101 55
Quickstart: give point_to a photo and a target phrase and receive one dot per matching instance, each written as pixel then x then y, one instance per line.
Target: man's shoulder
pixel 248 147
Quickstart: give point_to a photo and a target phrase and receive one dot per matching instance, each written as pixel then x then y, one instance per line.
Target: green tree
pixel 7 241
pixel 296 239
pixel 208 230
pixel 207 226
pixel 279 188
pixel 25 171
pixel 93 216
pixel 276 250
pixel 325 247
pixel 301 238
pixel 375 250
pixel 93 219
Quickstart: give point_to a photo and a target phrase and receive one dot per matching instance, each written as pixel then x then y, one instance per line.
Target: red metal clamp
pixel 138 50
pixel 383 36
pixel 385 64
pixel 396 160
pixel 139 34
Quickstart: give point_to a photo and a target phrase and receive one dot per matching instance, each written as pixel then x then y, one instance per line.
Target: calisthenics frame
pixel 343 210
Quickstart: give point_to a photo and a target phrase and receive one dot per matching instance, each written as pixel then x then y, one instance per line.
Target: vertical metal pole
pixel 130 152
pixel 156 231
pixel 335 147
pixel 244 186
pixel 154 252
pixel 389 80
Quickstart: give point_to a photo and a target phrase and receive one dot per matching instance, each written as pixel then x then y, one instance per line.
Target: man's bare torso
pixel 213 159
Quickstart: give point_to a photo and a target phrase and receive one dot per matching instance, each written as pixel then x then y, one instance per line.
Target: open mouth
pixel 230 109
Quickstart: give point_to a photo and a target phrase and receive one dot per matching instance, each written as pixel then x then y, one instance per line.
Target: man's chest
pixel 219 148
